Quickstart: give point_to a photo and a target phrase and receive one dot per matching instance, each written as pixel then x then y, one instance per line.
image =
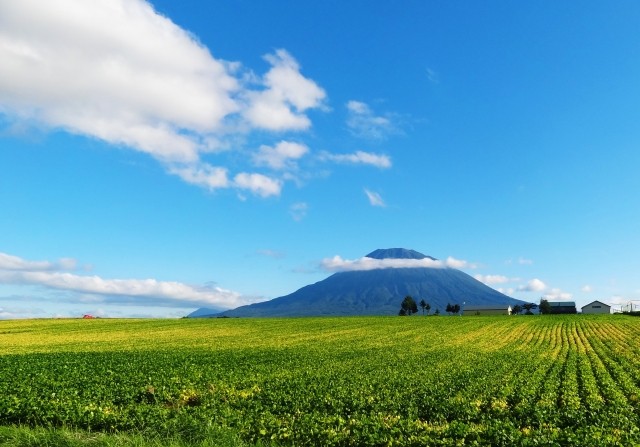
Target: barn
pixel 562 307
pixel 497 309
pixel 596 307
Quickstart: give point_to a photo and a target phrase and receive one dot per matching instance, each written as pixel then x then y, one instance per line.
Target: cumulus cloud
pixel 287 95
pixel 587 288
pixel 338 264
pixel 374 198
pixel 143 290
pixel 362 122
pixel 557 295
pixel 281 156
pixel 203 175
pixel 259 184
pixel 116 70
pixel 359 157
pixel 492 279
pixel 120 72
pixel 535 285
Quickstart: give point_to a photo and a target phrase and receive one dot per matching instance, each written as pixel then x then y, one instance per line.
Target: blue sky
pixel 160 157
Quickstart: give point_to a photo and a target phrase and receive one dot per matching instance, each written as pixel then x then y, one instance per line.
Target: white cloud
pixel 144 290
pixel 587 288
pixel 458 263
pixel 15 263
pixel 362 122
pixel 298 211
pixel 114 70
pixel 287 95
pixel 9 262
pixel 120 72
pixel 280 156
pixel 338 264
pixel 509 291
pixel 374 198
pixel 535 285
pixel 557 295
pixel 203 175
pixel 258 184
pixel 492 279
pixel 359 157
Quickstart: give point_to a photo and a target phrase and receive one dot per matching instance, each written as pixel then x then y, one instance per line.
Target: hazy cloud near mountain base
pixel 338 264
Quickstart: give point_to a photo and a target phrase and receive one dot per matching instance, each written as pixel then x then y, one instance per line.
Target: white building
pixel 596 307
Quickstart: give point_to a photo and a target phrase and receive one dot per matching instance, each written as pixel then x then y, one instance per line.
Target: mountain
pixel 376 292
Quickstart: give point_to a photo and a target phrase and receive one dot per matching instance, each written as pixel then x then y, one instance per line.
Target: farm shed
pixel 562 307
pixel 496 309
pixel 596 307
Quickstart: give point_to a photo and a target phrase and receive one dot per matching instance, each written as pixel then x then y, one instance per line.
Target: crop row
pixel 396 381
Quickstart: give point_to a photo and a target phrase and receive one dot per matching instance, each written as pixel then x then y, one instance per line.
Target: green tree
pixel 409 305
pixel 516 309
pixel 452 308
pixel 545 307
pixel 528 307
pixel 424 306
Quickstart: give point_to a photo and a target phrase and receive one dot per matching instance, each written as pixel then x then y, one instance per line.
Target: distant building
pixel 596 307
pixel 562 307
pixel 631 306
pixel 88 317
pixel 496 309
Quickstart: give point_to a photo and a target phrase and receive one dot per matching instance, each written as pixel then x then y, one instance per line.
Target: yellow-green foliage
pixel 520 380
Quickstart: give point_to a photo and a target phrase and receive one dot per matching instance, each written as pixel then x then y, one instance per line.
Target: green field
pixel 520 380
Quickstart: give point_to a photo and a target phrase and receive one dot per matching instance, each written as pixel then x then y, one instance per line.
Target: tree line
pixel 409 307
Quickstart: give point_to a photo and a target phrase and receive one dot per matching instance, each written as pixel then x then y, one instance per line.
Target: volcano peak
pixel 397 253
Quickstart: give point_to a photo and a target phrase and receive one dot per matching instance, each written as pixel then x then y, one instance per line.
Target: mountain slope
pixel 378 292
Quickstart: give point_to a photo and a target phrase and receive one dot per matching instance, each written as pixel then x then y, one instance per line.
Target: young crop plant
pixel 495 381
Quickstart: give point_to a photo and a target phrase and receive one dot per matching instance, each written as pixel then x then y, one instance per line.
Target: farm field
pixel 520 380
